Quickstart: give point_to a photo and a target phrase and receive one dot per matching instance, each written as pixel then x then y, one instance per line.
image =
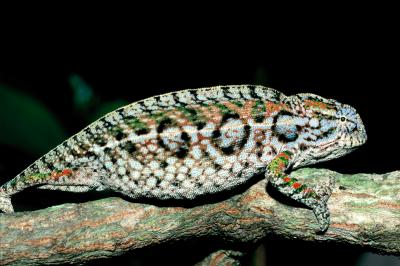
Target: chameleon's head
pixel 332 129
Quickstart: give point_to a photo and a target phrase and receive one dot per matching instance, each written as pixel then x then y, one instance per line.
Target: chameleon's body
pixel 188 143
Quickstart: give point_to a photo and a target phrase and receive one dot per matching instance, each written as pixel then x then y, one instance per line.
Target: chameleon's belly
pixel 162 174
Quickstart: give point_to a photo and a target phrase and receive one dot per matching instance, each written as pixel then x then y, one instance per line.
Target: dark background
pixel 356 64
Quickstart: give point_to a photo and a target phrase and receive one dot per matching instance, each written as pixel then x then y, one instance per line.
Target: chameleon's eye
pixel 343 119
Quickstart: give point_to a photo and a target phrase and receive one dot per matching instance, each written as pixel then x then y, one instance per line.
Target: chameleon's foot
pixel 5 203
pixel 321 212
pixel 319 203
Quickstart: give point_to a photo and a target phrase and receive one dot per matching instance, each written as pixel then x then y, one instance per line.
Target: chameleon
pixel 197 142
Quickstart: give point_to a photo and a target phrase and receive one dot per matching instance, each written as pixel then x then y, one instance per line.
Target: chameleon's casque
pixel 195 142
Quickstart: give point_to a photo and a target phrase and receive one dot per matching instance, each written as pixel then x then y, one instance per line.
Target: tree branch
pixel 365 212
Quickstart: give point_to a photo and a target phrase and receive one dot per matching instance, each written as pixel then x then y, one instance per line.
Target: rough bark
pixel 365 210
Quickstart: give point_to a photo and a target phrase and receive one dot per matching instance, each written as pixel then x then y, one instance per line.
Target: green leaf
pixel 27 124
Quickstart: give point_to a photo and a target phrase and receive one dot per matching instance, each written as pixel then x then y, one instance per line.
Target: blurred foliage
pixel 87 103
pixel 82 93
pixel 26 123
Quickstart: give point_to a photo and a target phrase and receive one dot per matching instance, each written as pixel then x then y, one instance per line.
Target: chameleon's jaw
pixel 357 138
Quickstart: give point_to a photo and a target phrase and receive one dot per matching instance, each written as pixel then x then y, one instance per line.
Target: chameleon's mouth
pixel 329 143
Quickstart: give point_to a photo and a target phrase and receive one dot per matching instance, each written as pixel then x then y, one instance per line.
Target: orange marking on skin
pixel 232 106
pixel 287 179
pixel 272 108
pixel 147 120
pixel 319 105
pixel 244 112
pixel 56 175
pixel 186 122
pixel 66 172
pixel 259 135
pixel 281 165
pixel 284 155
pixel 200 137
pixel 296 185
pixel 211 113
pixel 247 109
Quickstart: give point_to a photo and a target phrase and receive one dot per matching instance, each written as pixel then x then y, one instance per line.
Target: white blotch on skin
pixel 151 182
pixel 120 162
pixel 170 169
pixel 121 170
pixel 146 171
pixel 227 166
pixel 314 122
pixel 237 167
pixel 181 177
pixel 125 179
pixel 152 147
pixel 135 165
pixel 183 169
pixel 231 159
pixel 171 160
pixel 164 184
pixel 196 152
pixel 243 156
pixel 135 175
pixel 169 177
pixel 209 171
pixel 143 150
pixel 154 165
pixel 108 165
pixel 220 160
pixel 195 172
pixel 189 162
pixel 223 173
pixel 159 172
pixel 187 184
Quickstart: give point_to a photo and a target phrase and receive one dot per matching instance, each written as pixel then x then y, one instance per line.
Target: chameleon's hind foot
pixel 5 203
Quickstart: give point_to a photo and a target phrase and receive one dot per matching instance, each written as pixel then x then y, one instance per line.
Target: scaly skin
pixel 189 143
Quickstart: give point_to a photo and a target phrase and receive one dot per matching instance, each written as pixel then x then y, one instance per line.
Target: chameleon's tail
pixel 5 202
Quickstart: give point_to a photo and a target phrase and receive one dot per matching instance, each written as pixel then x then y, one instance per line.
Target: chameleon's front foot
pixel 5 203
pixel 318 203
pixel 316 198
pixel 321 212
